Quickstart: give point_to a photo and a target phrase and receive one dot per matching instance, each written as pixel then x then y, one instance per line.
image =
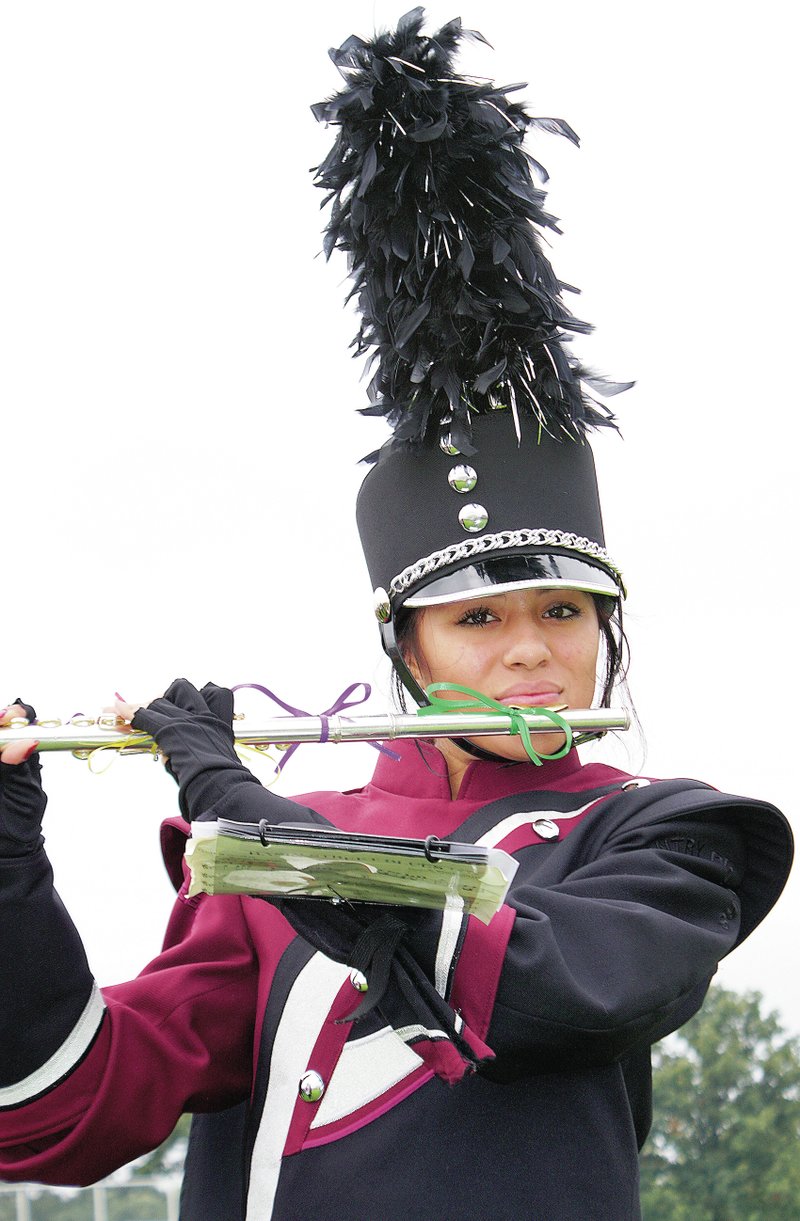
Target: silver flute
pixel 82 735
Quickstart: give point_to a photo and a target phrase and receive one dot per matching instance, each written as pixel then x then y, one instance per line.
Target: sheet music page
pixel 223 864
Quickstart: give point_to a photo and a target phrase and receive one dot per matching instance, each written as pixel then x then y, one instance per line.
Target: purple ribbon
pixel 339 704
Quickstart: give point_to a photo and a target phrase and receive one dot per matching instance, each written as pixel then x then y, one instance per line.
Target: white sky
pixel 180 443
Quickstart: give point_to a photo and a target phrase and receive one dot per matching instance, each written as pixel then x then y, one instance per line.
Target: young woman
pixel 503 1071
pixel 385 1062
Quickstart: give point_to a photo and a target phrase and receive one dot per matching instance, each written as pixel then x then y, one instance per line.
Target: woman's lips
pixel 532 699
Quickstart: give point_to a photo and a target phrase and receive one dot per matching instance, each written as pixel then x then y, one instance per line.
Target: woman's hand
pixel 22 799
pixel 193 730
pixel 124 709
pixel 16 752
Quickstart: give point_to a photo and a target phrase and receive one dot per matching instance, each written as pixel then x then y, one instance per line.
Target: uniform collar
pixel 422 772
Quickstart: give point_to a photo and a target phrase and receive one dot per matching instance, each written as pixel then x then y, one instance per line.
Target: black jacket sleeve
pixel 46 978
pixel 615 940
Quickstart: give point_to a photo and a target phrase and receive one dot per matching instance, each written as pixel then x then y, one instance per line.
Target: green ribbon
pixel 518 726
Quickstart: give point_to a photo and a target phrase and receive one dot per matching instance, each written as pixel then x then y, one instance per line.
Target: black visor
pixel 509 573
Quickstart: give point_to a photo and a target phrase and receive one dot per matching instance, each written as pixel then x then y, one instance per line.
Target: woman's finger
pixel 128 711
pixel 124 709
pixel 15 752
pixel 18 752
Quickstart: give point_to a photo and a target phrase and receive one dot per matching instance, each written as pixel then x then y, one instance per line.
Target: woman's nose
pixel 527 646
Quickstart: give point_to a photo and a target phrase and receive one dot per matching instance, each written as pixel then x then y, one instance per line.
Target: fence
pixel 103 1202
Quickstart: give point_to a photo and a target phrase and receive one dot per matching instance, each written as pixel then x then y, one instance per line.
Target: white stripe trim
pixel 307 1006
pixel 69 1054
pixel 371 1066
pixel 499 832
pixel 407 1033
pixel 448 940
pixel 367 1068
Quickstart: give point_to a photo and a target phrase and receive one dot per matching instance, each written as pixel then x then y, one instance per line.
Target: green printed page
pixel 224 864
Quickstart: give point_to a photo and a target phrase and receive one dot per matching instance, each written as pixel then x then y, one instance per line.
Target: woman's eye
pixel 562 610
pixel 478 616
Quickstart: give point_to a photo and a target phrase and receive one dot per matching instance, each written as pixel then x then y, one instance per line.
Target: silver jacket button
pixel 312 1087
pixel 359 981
pixel 545 827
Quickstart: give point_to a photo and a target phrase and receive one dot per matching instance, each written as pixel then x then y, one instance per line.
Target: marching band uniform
pixel 627 895
pixel 466 1070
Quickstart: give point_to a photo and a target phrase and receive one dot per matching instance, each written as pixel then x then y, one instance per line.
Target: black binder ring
pixel 431 842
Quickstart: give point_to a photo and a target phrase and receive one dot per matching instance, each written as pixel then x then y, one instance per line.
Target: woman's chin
pixel 514 750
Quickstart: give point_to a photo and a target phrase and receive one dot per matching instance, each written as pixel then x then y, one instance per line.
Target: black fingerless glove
pixel 193 729
pixel 22 803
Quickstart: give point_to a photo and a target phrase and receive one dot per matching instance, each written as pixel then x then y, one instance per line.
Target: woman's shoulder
pixel 683 814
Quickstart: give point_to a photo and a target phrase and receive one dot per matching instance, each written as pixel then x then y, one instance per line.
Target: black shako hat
pixel 438 527
pixel 488 480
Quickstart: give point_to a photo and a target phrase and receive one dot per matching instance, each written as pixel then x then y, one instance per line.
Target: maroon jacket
pixel 608 939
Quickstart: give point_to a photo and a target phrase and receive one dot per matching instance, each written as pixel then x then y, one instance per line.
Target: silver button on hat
pixel 473 517
pixel 462 478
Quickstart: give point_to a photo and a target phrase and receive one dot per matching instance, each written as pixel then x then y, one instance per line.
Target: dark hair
pixel 609 617
pixel 617 650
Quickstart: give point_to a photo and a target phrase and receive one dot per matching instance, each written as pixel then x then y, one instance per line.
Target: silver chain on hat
pixel 507 539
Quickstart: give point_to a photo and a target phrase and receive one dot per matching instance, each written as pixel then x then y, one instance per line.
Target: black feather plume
pixel 434 202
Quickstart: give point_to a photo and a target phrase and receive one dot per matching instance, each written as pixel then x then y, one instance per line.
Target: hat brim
pixel 510 573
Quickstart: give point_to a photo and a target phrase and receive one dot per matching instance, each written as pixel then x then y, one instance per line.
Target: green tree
pixel 169 1157
pixel 725 1143
pixel 131 1201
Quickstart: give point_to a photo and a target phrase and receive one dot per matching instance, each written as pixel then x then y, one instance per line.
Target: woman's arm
pixel 178 1037
pixel 89 1080
pixel 47 986
pixel 609 938
pixel 617 953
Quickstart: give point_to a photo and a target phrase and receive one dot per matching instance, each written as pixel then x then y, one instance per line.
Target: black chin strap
pixel 392 651
pixel 479 752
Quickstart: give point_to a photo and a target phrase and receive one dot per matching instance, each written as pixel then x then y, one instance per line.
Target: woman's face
pixel 533 646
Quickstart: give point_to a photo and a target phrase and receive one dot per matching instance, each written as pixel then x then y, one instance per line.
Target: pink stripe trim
pixel 477 974
pixel 371 1110
pixel 174 834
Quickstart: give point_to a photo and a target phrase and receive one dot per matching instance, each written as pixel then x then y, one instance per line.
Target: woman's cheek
pixel 583 665
pixel 470 664
pixel 449 659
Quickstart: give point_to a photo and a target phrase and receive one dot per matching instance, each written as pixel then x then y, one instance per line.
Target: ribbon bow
pixel 339 704
pixel 518 726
